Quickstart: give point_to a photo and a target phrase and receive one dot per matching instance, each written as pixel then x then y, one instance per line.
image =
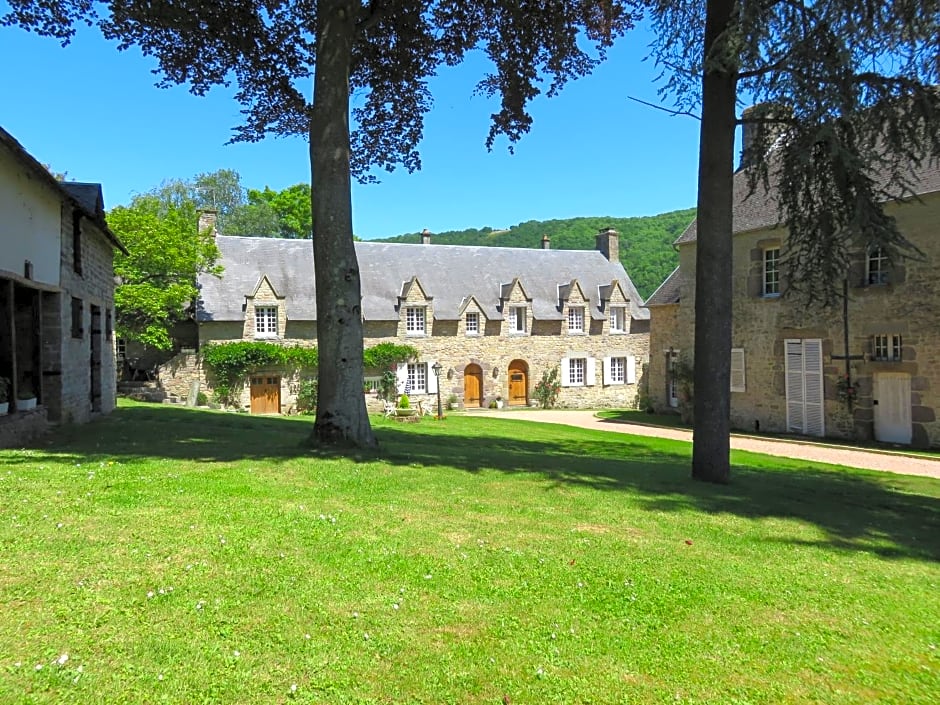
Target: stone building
pixel 788 364
pixel 495 319
pixel 56 297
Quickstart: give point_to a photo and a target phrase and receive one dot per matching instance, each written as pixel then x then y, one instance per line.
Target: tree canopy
pixel 157 280
pixel 846 102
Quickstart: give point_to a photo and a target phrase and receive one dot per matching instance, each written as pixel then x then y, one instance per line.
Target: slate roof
pixel 760 210
pixel 85 196
pixel 448 273
pixel 668 291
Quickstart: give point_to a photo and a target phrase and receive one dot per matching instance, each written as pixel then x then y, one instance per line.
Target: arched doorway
pixel 518 383
pixel 473 386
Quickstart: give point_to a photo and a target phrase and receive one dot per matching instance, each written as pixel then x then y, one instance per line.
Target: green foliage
pixel 307 396
pixel 547 388
pixel 452 401
pixel 202 399
pixel 386 355
pixel 404 402
pixel 388 386
pixel 157 280
pixel 645 242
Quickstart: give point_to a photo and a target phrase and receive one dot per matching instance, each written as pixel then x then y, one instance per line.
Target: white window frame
pixel 770 280
pixel 266 321
pixel 474 327
pixel 410 375
pixel 886 347
pixel 618 319
pixel 576 319
pixel 517 319
pixel 577 371
pixel 620 369
pixel 876 266
pixel 415 320
pixel 738 376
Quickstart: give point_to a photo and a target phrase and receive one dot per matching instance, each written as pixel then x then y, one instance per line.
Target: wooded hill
pixel 645 242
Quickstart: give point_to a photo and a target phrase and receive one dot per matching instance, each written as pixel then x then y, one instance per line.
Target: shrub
pixel 307 396
pixel 202 399
pixel 546 391
pixel 404 402
pixel 388 386
pixel 452 401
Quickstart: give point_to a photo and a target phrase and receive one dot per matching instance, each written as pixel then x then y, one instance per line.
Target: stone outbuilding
pixel 788 362
pixel 495 319
pixel 56 298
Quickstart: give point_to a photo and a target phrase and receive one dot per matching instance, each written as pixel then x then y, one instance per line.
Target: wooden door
pixel 473 386
pixel 893 407
pixel 518 383
pixel 265 395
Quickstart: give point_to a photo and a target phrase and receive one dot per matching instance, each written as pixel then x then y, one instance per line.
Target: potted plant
pixel 404 407
pixel 499 401
pixel 4 395
pixel 25 397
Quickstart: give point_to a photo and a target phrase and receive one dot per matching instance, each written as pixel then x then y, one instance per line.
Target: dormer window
pixel 517 316
pixel 473 323
pixel 618 319
pixel 877 266
pixel 265 321
pixel 415 320
pixel 576 319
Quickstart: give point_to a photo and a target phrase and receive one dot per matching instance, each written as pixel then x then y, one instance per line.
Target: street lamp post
pixel 437 373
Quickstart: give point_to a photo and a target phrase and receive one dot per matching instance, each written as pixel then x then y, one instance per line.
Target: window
pixel 473 323
pixel 576 371
pixel 771 272
pixel 887 348
pixel 417 379
pixel 618 319
pixel 265 321
pixel 414 320
pixel 618 370
pixel 575 319
pixel 737 370
pixel 877 266
pixel 121 348
pixel 517 316
pixel 78 330
pixel 672 377
pixel 77 241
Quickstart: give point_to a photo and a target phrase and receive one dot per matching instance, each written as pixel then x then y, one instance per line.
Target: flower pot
pixel 499 404
pixel 26 404
pixel 405 412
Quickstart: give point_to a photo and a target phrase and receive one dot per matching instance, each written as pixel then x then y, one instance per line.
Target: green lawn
pixel 184 556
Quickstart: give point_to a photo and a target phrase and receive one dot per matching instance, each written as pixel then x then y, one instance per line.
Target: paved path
pixel 803 450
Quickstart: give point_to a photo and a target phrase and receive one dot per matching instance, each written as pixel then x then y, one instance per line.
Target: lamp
pixel 437 367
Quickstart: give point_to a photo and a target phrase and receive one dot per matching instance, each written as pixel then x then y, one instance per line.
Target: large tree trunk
pixel 713 266
pixel 341 407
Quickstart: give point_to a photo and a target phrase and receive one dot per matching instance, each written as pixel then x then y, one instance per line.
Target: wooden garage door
pixel 265 395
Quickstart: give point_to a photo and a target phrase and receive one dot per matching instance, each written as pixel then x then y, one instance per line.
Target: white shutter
pixel 432 378
pixel 737 370
pixel 793 371
pixel 401 377
pixel 606 370
pixel 589 372
pixel 813 388
pixel 565 372
pixel 631 369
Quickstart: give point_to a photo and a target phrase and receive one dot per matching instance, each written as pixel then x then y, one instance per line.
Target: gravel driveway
pixel 804 450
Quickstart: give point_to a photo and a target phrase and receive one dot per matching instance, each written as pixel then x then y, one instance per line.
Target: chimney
pixel 546 243
pixel 207 220
pixel 608 244
pixel 425 237
pixel 759 132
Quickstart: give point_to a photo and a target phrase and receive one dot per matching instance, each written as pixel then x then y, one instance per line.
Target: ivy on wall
pixel 231 363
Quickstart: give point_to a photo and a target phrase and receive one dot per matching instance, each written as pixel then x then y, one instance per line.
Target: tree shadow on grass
pixel 890 515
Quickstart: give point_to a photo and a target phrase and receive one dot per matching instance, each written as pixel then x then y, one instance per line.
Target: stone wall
pixel 908 305
pixel 664 333
pixel 94 286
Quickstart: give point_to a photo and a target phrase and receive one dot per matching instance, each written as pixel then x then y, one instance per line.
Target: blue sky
pixel 94 113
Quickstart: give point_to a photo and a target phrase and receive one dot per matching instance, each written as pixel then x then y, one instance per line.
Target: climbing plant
pixel 384 355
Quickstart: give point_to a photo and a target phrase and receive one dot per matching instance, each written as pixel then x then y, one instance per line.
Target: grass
pixel 187 556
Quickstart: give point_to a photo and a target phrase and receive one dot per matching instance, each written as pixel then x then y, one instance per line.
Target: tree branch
pixel 666 110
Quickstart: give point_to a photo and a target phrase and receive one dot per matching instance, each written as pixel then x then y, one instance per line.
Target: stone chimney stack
pixel 207 221
pixel 759 135
pixel 546 243
pixel 425 237
pixel 608 244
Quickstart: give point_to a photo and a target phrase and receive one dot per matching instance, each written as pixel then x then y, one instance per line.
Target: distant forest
pixel 645 243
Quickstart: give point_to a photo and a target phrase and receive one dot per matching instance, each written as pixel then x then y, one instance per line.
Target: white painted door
pixel 804 381
pixel 893 407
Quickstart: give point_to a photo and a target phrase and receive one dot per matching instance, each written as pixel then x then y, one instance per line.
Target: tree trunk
pixel 713 265
pixel 341 409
